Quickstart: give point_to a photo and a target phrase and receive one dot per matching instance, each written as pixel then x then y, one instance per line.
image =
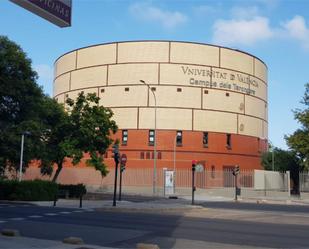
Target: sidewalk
pixel 31 243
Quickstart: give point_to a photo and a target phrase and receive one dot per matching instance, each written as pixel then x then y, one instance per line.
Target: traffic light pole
pixel 120 184
pixel 193 185
pixel 115 185
pixel 235 187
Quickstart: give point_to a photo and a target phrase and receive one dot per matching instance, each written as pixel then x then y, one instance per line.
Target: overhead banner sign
pixel 57 12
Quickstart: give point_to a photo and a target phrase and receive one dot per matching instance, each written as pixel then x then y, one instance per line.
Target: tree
pixel 299 140
pixel 20 106
pixel 284 160
pixel 84 128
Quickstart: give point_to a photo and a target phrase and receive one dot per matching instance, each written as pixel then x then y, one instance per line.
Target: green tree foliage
pixel 284 160
pixel 20 106
pixel 84 128
pixel 299 140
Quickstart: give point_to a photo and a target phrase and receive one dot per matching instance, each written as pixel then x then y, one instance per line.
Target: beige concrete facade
pixel 198 87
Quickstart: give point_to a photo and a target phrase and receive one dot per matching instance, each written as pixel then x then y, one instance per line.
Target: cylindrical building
pixel 211 101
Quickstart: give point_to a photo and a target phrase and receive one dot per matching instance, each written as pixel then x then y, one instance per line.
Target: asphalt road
pixel 125 229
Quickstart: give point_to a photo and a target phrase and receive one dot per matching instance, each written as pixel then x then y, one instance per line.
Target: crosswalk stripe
pixel 35 216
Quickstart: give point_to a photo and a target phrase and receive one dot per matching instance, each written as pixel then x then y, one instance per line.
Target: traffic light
pixel 123 167
pixel 236 170
pixel 116 153
pixel 193 165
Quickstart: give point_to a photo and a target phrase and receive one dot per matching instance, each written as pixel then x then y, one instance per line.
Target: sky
pixel 276 31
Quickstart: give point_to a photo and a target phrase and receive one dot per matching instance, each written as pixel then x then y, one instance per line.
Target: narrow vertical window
pixel 151 138
pixel 142 156
pixel 147 155
pixel 205 139
pixel 124 137
pixel 179 138
pixel 228 141
pixel 213 172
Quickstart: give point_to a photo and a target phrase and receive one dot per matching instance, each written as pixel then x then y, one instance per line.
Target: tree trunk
pixel 57 172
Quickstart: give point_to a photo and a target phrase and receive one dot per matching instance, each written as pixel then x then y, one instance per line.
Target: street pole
pixel 193 184
pixel 155 141
pixel 236 187
pixel 21 156
pixel 120 183
pixel 175 162
pixel 115 185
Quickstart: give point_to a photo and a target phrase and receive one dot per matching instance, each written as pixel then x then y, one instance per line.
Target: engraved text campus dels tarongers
pixel 220 79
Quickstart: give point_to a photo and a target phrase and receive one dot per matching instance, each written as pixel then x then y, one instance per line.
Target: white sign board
pixel 199 168
pixel 169 186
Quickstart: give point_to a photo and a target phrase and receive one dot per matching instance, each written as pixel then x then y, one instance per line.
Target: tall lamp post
pixel 175 141
pixel 155 140
pixel 22 153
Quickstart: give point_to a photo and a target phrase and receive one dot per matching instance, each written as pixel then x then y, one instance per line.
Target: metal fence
pixel 219 182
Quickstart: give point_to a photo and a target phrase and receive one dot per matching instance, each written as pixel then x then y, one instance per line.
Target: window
pixel 142 155
pixel 148 155
pixel 127 89
pixel 227 94
pixel 153 89
pixel 205 91
pixel 179 138
pixel 179 90
pixel 159 155
pixel 213 172
pixel 151 137
pixel 228 141
pixel 124 137
pixel 205 139
pixel 102 90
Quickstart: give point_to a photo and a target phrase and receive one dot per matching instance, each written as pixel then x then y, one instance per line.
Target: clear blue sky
pixel 277 31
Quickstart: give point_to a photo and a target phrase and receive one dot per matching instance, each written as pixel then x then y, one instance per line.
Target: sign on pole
pixel 57 12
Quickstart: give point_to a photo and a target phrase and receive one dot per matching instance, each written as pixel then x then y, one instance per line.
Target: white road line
pixel 35 216
pixel 25 205
pixel 89 210
pixel 2 221
pixel 77 211
pixel 17 219
pixel 50 214
pixel 64 212
pixel 11 206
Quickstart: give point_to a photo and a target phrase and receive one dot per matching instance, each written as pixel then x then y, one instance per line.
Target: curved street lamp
pixel 155 139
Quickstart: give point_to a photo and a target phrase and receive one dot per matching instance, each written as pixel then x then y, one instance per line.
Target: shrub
pixel 74 191
pixel 35 190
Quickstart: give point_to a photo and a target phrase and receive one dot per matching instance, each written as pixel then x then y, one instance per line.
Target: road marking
pixel 2 221
pixel 11 206
pixel 17 219
pixel 77 211
pixel 89 210
pixel 50 214
pixel 64 212
pixel 35 216
pixel 25 205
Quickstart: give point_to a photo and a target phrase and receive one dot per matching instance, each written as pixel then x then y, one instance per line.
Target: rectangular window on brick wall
pixel 205 139
pixel 151 138
pixel 147 155
pixel 142 156
pixel 228 141
pixel 179 138
pixel 124 137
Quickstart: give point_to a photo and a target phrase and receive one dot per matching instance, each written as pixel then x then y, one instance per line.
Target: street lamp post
pixel 175 140
pixel 155 140
pixel 22 153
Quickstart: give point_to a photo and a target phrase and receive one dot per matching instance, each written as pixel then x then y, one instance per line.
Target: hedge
pixel 38 190
pixel 35 190
pixel 74 191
